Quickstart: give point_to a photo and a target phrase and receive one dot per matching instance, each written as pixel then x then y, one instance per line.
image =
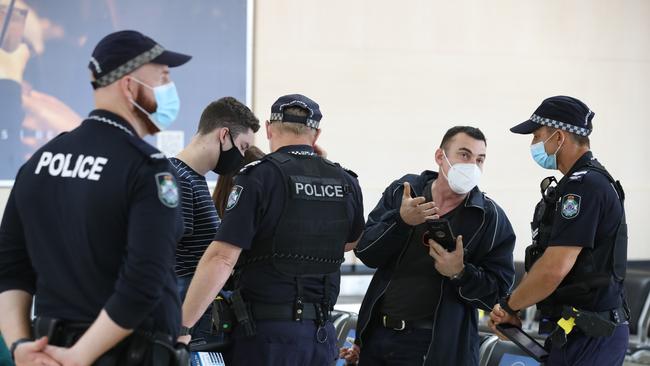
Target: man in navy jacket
pixel 420 307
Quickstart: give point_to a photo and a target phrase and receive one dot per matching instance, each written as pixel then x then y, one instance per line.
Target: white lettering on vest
pixel 98 166
pixel 299 187
pixel 319 190
pixel 56 165
pixel 45 159
pixel 66 171
pixel 83 172
pixel 76 166
pixel 85 167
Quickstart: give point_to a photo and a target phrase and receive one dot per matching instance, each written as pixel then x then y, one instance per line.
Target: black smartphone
pixel 440 231
pixel 523 341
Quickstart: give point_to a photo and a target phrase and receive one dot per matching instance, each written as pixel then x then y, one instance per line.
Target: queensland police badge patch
pixel 570 206
pixel 167 189
pixel 234 197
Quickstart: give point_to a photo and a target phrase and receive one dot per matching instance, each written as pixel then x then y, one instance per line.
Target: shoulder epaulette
pixel 146 149
pixel 247 168
pixel 578 175
pixel 352 173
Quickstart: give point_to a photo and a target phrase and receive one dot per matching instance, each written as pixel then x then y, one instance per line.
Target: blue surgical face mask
pixel 540 156
pixel 167 104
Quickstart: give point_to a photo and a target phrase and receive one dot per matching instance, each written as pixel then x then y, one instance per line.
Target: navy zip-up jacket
pixel 489 269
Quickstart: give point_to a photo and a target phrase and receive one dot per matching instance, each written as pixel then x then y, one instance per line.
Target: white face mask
pixel 462 178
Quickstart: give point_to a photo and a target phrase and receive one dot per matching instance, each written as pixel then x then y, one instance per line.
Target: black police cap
pixel 566 113
pixel 296 100
pixel 121 52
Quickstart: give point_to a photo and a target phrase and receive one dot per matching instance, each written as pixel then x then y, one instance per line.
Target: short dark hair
pixel 293 127
pixel 578 139
pixel 228 112
pixel 472 132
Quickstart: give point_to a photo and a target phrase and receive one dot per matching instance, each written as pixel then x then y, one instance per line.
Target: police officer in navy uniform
pixel 576 263
pixel 92 223
pixel 288 220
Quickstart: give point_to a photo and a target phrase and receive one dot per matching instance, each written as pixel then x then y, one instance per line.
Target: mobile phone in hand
pixel 440 231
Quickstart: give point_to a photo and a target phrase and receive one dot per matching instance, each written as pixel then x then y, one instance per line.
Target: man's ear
pixel 316 135
pixel 269 133
pixel 222 135
pixel 438 157
pixel 127 89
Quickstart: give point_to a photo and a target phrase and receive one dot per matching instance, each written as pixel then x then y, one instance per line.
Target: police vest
pixel 596 267
pixel 312 232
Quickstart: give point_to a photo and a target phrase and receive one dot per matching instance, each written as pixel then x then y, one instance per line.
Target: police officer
pixel 576 264
pixel 290 216
pixel 92 223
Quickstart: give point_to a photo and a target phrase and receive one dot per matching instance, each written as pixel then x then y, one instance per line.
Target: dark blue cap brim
pixel 525 128
pixel 171 59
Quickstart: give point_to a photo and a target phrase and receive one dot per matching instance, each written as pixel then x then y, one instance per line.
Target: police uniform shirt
pixel 92 222
pixel 588 211
pixel 253 211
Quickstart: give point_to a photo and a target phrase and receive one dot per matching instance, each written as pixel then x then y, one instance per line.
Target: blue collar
pixel 112 119
pixel 297 150
pixel 583 161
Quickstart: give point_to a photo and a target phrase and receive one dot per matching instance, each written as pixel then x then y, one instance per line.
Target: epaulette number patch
pixel 249 165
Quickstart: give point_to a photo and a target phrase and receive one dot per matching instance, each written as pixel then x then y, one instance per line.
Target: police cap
pixel 296 100
pixel 566 113
pixel 121 52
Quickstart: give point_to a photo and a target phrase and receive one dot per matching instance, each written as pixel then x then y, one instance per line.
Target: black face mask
pixel 230 160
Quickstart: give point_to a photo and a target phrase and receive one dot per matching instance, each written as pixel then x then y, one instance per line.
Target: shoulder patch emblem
pixel 233 198
pixel 167 189
pixel 570 206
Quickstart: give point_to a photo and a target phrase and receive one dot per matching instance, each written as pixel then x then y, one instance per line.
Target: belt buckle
pixel 383 320
pixel 616 316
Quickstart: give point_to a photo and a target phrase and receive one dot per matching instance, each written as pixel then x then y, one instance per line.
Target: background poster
pixel 45 84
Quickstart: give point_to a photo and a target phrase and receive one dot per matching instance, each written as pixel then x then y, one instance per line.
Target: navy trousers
pixel 581 350
pixel 382 346
pixel 285 343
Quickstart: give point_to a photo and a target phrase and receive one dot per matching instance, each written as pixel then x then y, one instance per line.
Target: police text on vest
pixel 319 190
pixel 71 166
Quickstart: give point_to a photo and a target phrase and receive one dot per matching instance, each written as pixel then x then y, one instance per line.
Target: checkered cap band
pixel 130 65
pixel 561 125
pixel 280 117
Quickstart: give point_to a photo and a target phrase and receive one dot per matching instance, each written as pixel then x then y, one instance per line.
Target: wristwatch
pixel 17 343
pixel 185 331
pixel 504 305
pixel 458 275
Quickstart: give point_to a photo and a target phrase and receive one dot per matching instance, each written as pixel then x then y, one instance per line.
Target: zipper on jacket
pixel 399 260
pixel 435 320
pixel 372 307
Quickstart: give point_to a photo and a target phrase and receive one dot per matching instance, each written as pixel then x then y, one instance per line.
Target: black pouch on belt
pixel 167 352
pixel 50 328
pixel 181 355
pixel 223 318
